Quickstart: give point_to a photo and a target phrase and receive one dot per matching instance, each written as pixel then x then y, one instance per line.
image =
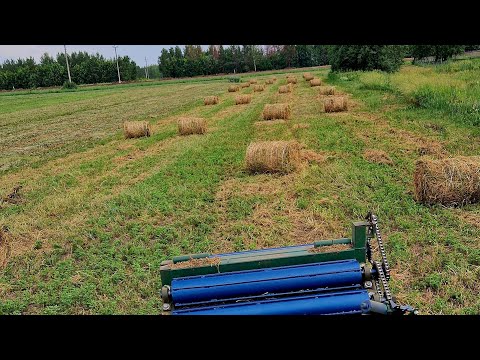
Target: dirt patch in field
pixel 329 248
pixel 213 261
pixel 5 246
pixel 470 218
pixel 377 156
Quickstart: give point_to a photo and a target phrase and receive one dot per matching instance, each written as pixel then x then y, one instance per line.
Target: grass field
pixel 98 213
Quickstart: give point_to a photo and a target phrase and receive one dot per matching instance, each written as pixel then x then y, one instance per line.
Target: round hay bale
pixel 326 90
pixel 291 80
pixel 245 85
pixel 308 76
pixel 315 82
pixel 276 111
pixel 273 156
pixel 192 125
pixel 211 100
pixel 242 99
pixel 268 81
pixel 451 181
pixel 233 88
pixel 274 78
pixel 258 88
pixel 335 104
pixel 284 89
pixel 252 81
pixel 136 129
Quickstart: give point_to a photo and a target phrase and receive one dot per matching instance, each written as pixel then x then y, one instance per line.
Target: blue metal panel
pixel 346 302
pixel 271 280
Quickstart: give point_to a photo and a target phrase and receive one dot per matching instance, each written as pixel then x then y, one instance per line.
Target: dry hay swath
pixel 209 261
pixel 192 125
pixel 451 181
pixel 315 82
pixel 285 89
pixel 377 156
pixel 307 76
pixel 211 100
pixel 233 88
pixel 273 156
pixel 252 81
pixel 268 81
pixel 242 99
pixel 291 80
pixel 258 88
pixel 245 85
pixel 326 90
pixel 335 104
pixel 276 111
pixel 135 129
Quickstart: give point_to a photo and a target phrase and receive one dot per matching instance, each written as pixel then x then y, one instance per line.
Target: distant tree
pixel 436 52
pixel 366 57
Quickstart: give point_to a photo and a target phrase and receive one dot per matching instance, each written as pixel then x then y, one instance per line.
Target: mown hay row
pixel 135 129
pixel 192 125
pixel 233 88
pixel 451 181
pixel 211 100
pixel 276 111
pixel 242 99
pixel 335 104
pixel 273 156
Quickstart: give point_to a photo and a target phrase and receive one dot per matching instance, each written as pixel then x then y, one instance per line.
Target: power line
pixel 118 69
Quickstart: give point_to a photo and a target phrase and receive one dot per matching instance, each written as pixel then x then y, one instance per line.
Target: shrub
pixel 67 85
pixel 366 57
pixel 234 79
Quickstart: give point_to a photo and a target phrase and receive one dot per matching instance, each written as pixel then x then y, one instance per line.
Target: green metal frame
pixel 273 258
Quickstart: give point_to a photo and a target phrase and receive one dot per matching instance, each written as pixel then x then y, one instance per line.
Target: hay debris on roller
pixel 273 156
pixel 242 99
pixel 326 90
pixel 335 104
pixel 245 85
pixel 233 88
pixel 192 125
pixel 135 129
pixel 211 100
pixel 291 80
pixel 258 88
pixel 252 81
pixel 315 82
pixel 451 181
pixel 307 76
pixel 276 111
pixel 284 89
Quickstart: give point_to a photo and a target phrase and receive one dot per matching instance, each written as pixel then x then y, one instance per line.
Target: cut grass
pixel 95 222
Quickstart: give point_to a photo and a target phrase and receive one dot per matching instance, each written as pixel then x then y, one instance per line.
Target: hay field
pixel 97 213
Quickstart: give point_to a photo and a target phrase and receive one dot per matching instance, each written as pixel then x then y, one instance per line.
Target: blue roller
pixel 347 302
pixel 330 274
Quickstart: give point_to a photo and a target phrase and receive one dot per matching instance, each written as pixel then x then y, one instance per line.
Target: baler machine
pixel 293 280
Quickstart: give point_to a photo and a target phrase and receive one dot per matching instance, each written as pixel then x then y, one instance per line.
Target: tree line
pixel 84 69
pixel 192 60
pixel 217 59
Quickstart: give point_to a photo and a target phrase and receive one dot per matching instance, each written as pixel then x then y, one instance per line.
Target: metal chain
pixel 384 281
pixel 381 247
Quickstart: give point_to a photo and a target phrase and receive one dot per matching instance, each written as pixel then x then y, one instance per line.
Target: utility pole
pixel 146 68
pixel 118 69
pixel 68 66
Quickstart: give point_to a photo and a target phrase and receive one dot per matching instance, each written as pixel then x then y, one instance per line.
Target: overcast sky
pixel 136 52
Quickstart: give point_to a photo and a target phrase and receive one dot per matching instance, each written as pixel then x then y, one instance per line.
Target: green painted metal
pixel 274 258
pixel 332 242
pixel 180 258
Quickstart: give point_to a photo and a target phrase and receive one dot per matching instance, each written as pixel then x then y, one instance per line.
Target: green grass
pixel 100 213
